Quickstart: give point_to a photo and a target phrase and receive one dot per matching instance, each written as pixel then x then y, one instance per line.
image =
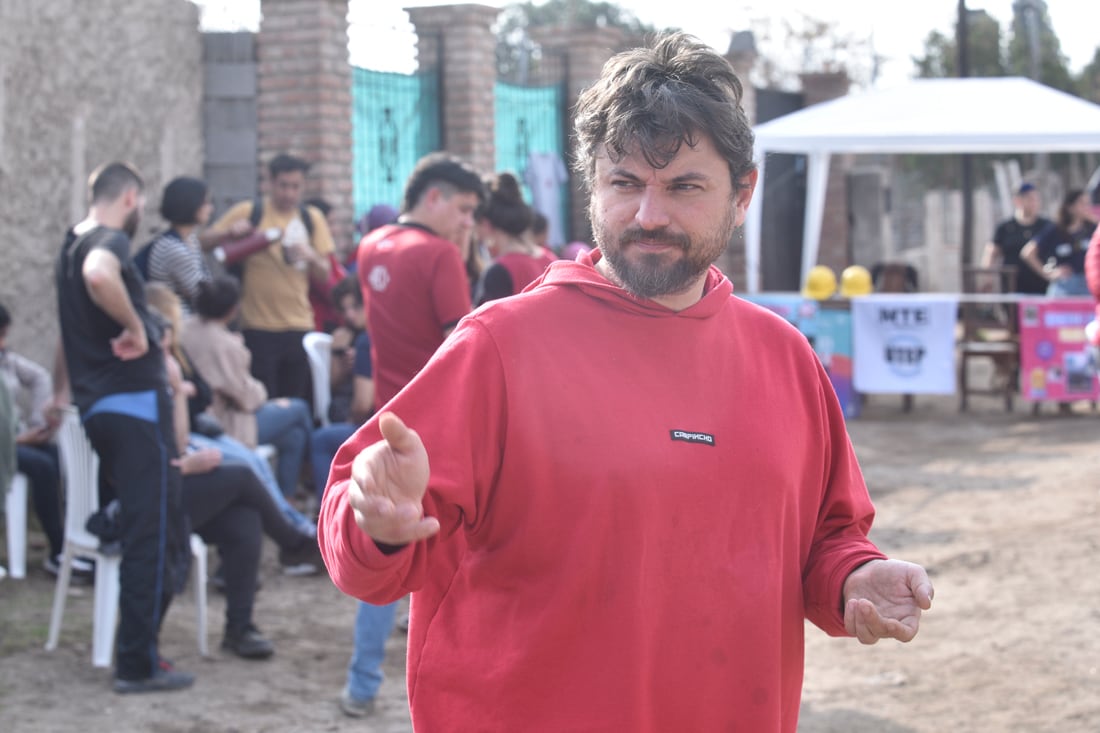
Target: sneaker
pixel 81 569
pixel 163 679
pixel 304 559
pixel 355 708
pixel 248 644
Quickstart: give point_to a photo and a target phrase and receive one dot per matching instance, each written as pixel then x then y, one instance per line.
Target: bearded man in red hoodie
pixel 616 497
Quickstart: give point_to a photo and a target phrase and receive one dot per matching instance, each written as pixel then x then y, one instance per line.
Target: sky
pixel 382 37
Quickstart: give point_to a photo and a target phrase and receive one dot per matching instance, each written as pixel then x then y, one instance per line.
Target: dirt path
pixel 1002 509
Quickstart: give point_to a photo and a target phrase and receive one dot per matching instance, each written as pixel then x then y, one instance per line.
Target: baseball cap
pixel 1025 188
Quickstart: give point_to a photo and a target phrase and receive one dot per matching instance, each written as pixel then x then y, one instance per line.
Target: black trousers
pixel 231 510
pixel 280 362
pixel 135 456
pixel 39 463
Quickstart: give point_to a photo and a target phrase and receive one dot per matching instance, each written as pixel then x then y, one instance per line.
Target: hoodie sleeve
pixel 840 543
pixel 462 430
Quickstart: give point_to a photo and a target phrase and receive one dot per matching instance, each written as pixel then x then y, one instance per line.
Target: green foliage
pixel 941 56
pixel 1088 82
pixel 994 54
pixel 513 46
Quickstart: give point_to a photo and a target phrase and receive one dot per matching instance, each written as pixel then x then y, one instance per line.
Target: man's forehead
pixel 690 154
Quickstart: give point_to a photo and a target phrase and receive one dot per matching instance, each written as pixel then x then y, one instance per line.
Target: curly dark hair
pixel 654 99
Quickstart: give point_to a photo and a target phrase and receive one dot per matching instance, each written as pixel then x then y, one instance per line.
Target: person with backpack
pixel 174 256
pixel 275 281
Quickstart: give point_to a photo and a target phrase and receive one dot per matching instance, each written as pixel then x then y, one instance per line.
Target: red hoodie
pixel 1092 276
pixel 639 508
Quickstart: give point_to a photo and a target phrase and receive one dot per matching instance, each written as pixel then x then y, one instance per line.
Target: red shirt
pixel 524 268
pixel 414 290
pixel 639 508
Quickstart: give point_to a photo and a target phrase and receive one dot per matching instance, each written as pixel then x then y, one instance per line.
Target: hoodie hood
pixel 583 275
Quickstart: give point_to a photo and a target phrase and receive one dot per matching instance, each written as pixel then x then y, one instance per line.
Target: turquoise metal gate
pixel 395 121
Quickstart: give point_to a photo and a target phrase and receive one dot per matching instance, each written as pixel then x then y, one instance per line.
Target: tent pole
pixel 962 42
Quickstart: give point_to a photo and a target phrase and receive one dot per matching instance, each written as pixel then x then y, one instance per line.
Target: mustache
pixel 657 236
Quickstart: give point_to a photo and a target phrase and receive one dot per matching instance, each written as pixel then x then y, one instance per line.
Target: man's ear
pixel 131 197
pixel 743 195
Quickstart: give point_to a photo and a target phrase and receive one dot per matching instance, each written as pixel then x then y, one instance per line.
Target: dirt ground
pixel 1001 508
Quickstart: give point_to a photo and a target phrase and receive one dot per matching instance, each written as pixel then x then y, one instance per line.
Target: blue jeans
pixel 287 425
pixel 373 625
pixel 1075 284
pixel 234 451
pixel 326 441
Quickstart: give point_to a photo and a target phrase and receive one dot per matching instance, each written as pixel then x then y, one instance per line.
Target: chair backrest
pixel 80 468
pixel 894 277
pixel 988 321
pixel 318 347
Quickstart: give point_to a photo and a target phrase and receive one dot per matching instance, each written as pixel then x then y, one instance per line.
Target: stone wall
pixel 82 83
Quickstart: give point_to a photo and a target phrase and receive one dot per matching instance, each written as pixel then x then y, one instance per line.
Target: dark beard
pixel 649 276
pixel 130 226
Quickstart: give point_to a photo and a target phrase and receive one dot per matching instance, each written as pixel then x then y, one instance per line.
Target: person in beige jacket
pixel 240 401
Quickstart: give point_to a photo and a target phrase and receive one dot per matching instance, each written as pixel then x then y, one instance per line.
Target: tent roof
pixel 972 115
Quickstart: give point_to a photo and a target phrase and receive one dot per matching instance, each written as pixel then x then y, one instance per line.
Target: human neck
pixel 512 245
pixel 101 216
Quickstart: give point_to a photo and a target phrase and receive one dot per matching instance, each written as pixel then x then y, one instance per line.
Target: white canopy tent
pixel 973 115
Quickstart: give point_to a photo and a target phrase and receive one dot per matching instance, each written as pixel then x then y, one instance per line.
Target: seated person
pixel 31 389
pixel 350 371
pixel 206 431
pixel 354 394
pixel 240 401
pixel 229 508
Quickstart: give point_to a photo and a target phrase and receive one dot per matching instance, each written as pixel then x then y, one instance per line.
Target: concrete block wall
pixel 230 92
pixel 82 83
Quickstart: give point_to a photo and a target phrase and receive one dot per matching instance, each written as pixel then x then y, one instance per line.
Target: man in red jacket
pixel 639 486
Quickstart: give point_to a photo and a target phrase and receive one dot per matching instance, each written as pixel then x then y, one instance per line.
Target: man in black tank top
pixel 110 361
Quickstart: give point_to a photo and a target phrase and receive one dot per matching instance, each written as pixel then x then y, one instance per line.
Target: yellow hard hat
pixel 820 283
pixel 855 280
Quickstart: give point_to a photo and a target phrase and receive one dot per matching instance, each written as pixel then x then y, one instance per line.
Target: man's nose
pixel 652 209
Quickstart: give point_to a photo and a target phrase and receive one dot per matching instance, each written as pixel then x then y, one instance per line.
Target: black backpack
pixel 258 213
pixel 141 258
pixel 237 269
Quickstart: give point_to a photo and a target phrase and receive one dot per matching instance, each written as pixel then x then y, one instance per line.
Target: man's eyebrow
pixel 620 172
pixel 688 177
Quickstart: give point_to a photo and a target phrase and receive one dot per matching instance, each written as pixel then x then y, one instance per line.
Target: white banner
pixel 904 344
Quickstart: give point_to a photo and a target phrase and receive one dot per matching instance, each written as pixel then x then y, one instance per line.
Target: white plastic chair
pixel 15 514
pixel 318 347
pixel 80 468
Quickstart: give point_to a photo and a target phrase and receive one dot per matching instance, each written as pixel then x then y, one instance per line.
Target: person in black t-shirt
pixel 1011 236
pixel 1058 254
pixel 110 360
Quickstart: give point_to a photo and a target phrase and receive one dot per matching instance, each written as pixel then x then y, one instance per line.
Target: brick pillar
pixel 586 51
pixel 304 102
pixel 458 40
pixel 835 246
